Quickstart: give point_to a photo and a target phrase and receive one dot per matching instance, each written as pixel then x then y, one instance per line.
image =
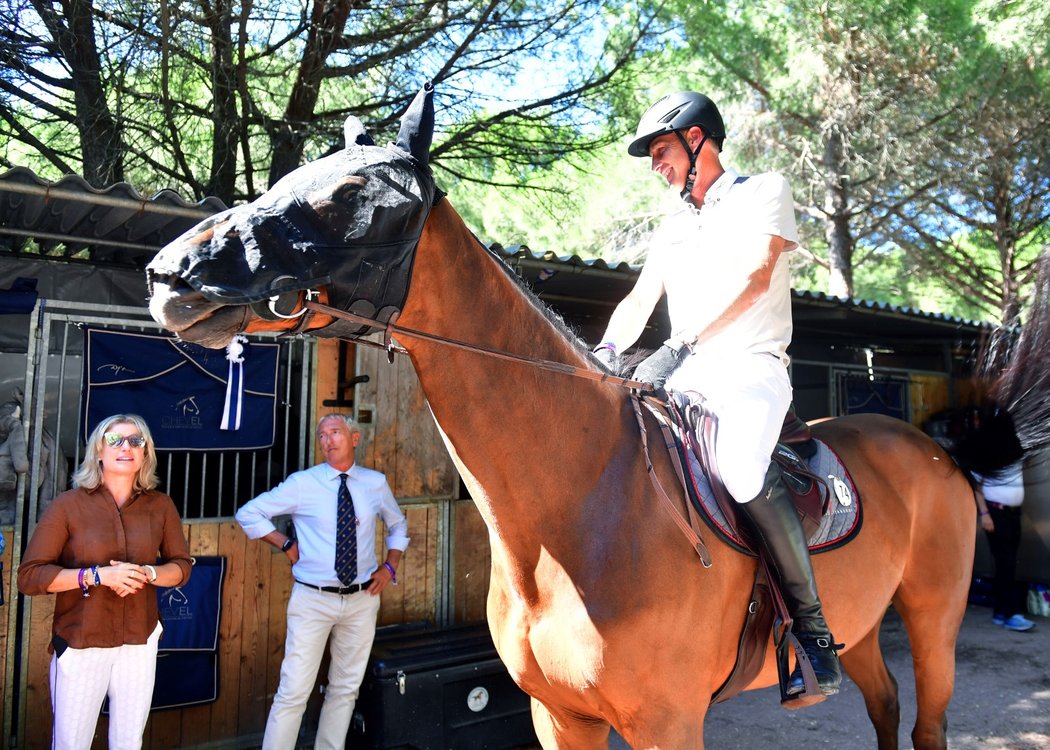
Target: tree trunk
pixel 226 122
pixel 289 136
pixel 100 138
pixel 837 229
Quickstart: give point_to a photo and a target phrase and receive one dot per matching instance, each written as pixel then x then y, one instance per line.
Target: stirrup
pixel 812 693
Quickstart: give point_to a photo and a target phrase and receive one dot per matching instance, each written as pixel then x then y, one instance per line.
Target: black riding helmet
pixel 673 114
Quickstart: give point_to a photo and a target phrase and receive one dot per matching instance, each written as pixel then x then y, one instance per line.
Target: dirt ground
pixel 1001 700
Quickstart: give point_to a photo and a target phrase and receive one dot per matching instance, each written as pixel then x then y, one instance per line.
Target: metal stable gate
pixel 202 484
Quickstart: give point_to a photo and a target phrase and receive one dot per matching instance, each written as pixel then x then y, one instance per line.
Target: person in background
pixel 989 450
pixel 102 548
pixel 334 506
pixel 999 498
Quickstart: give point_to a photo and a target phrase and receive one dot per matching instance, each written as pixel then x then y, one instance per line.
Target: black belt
pixel 353 588
pixel 1000 506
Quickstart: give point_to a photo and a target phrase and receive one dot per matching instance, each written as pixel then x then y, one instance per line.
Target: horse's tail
pixel 1022 365
pixel 1010 416
pixel 987 441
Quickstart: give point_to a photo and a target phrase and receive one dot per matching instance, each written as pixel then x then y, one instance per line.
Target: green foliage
pixel 905 100
pixel 915 133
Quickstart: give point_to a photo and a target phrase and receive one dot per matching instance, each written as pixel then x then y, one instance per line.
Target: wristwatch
pixel 287 544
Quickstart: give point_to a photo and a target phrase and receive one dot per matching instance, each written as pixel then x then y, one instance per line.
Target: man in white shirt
pixel 337 579
pixel 722 263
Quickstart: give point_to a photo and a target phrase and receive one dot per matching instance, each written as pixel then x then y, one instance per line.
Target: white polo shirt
pixel 696 253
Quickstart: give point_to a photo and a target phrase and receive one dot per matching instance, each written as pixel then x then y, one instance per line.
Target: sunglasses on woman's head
pixel 115 440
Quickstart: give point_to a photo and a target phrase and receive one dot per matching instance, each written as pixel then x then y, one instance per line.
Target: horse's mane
pixel 552 317
pixel 628 361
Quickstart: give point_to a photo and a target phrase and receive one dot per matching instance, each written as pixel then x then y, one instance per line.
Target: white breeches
pixel 82 677
pixel 750 394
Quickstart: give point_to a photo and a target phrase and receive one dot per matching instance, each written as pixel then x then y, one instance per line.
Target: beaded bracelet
pixel 393 573
pixel 83 584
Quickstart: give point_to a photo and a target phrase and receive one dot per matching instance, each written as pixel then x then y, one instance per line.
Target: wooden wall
pixel 251 638
pixel 399 438
pixel 928 395
pixel 471 564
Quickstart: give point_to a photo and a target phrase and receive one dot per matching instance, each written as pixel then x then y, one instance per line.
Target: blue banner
pixel 190 613
pixel 188 659
pixel 192 398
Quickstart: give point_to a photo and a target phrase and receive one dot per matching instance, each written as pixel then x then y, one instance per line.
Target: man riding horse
pixel 722 262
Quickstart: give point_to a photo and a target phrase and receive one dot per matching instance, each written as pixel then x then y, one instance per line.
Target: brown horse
pixel 597 605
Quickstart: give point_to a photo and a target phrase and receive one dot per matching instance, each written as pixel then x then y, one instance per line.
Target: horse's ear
pixel 355 134
pixel 417 125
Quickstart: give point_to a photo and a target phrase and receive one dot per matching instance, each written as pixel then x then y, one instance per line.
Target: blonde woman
pixel 102 548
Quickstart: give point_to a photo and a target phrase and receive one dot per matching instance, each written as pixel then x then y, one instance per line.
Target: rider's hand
pixel 606 354
pixel 658 366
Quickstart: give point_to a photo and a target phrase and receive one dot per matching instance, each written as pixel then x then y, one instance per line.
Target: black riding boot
pixel 773 516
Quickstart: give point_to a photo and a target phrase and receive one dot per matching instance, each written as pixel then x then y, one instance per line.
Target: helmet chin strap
pixel 691 178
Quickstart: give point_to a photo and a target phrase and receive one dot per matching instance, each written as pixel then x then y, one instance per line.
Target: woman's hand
pixel 987 523
pixel 123 578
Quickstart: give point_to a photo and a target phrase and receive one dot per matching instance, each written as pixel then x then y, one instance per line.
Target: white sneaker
pixel 1019 623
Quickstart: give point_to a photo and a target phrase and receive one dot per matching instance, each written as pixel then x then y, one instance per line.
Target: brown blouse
pixel 81 528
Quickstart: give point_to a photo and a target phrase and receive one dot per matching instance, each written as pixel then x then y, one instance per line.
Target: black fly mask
pixel 349 222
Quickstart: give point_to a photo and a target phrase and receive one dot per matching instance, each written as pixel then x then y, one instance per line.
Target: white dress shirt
pixel 310 497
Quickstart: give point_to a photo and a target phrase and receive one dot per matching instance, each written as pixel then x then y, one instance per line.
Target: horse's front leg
pixel 568 731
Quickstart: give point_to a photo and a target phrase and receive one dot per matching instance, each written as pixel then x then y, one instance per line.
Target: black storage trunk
pixel 431 689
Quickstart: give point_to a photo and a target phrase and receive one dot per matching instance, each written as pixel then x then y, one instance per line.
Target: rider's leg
pixel 773 516
pixel 750 396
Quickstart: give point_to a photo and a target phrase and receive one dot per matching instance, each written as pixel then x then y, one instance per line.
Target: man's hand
pixel 606 354
pixel 658 366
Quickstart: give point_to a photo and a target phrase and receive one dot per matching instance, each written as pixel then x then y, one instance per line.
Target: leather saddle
pixel 797 451
pixel 696 430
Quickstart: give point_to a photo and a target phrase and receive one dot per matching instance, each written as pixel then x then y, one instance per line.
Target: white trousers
pixel 315 618
pixel 80 680
pixel 750 394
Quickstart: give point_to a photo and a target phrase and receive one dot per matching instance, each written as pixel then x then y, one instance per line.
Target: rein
pixel 390 328
pixel 689 527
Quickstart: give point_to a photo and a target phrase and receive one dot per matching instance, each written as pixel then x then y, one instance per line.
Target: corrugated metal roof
pixel 114 225
pixel 541 268
pixel 120 226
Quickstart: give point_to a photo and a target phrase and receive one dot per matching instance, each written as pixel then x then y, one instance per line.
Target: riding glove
pixel 658 366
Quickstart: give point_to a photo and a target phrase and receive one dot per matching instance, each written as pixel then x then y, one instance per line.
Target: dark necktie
pixel 345 535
